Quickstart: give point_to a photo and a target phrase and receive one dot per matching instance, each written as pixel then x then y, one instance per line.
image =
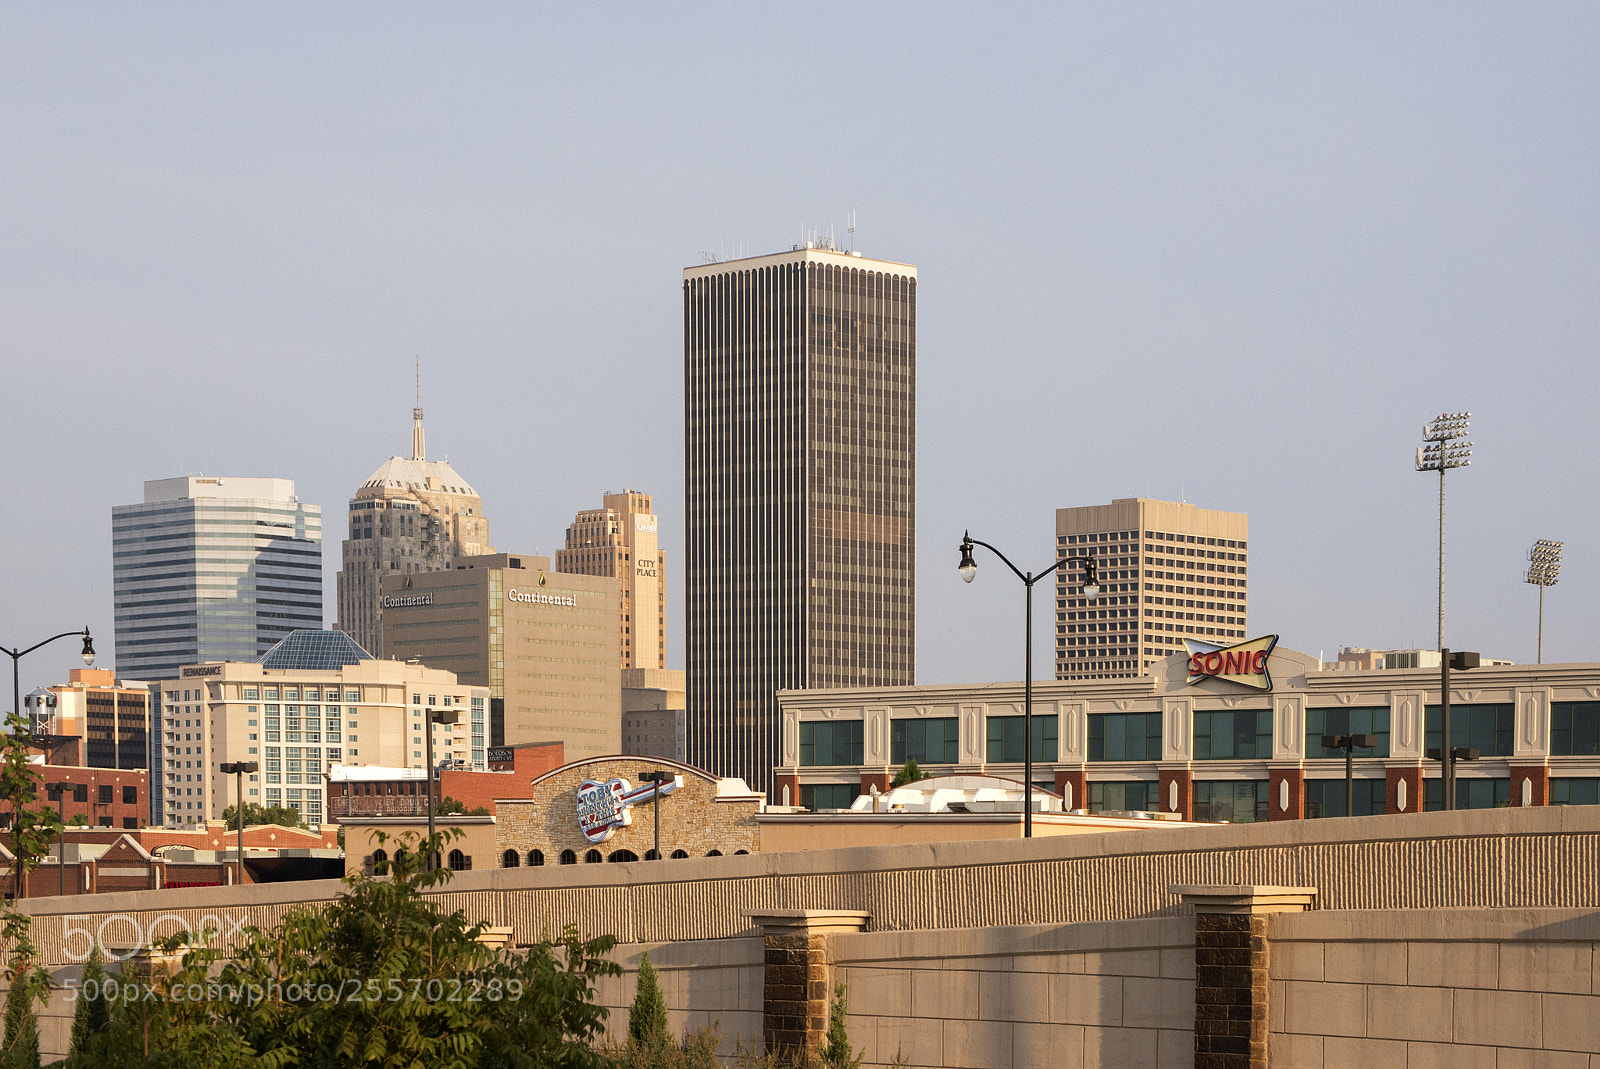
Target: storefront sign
pixel 603 807
pixel 1245 663
pixel 501 755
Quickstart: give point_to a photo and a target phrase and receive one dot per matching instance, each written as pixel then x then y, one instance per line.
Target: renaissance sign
pixel 1244 663
pixel 603 807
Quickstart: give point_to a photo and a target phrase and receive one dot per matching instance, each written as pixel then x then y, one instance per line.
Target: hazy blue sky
pixel 1232 253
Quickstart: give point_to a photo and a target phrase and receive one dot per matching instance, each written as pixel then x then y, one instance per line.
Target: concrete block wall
pixel 1458 989
pixel 1083 996
pixel 704 982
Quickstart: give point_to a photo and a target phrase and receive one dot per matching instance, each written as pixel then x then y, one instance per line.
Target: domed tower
pixel 411 515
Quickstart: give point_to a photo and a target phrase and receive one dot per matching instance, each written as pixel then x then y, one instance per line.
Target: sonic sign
pixel 603 807
pixel 1245 663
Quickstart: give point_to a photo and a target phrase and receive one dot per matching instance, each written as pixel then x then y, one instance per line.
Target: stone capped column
pixel 795 988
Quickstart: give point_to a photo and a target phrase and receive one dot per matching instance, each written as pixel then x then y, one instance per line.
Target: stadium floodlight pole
pixel 1091 587
pixel 1442 449
pixel 1544 569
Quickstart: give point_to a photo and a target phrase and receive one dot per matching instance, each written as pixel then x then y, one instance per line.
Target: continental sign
pixel 535 597
pixel 1245 663
pixel 405 601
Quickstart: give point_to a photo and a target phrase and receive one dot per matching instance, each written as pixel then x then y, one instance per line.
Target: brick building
pixel 376 791
pixel 100 797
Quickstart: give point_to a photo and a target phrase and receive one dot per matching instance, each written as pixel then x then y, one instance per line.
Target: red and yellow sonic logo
pixel 1245 663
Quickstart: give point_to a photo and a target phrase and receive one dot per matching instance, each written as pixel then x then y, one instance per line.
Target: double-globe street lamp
pixel 16 656
pixel 1091 587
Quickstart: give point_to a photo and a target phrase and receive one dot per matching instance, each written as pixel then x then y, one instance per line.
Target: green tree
pixel 835 1050
pixel 78 821
pixel 34 826
pixel 909 773
pixel 449 807
pixel 255 816
pixel 380 977
pixel 91 1014
pixel 647 1019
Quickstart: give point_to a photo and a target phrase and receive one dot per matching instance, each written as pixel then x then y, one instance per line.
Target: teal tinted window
pixel 1574 728
pixel 1326 797
pixel 931 741
pixel 1233 734
pixel 816 796
pixel 1352 720
pixel 1470 793
pixel 1574 791
pixel 1485 727
pixel 1238 801
pixel 1133 796
pixel 830 742
pixel 1005 738
pixel 1125 737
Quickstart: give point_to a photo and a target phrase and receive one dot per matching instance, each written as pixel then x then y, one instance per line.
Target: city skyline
pixel 1236 256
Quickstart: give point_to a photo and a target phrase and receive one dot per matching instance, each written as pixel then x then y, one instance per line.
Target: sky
pixel 1232 254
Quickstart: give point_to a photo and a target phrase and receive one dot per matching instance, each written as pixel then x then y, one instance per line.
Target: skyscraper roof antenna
pixel 852 230
pixel 419 450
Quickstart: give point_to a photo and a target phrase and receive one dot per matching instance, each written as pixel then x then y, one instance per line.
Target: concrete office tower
pixel 413 515
pixel 1168 571
pixel 619 540
pixel 212 570
pixel 542 642
pixel 800 374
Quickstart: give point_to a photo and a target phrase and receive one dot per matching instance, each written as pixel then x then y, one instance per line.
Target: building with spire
pixel 412 515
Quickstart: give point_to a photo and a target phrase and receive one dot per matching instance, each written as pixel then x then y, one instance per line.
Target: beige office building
pixel 1168 571
pixel 314 701
pixel 543 642
pixel 412 515
pixel 619 540
pixel 653 712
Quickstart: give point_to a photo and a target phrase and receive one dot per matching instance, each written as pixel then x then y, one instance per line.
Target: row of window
pixel 105 794
pixel 1234 734
pixel 511 859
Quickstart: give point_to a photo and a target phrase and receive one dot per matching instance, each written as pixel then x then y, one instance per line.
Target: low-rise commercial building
pixel 108 718
pixel 1236 735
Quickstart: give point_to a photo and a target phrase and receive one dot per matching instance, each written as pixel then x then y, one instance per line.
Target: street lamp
pixel 17 655
pixel 58 793
pixel 1544 569
pixel 435 716
pixel 1348 744
pixel 1461 661
pixel 1091 587
pixel 657 777
pixel 237 769
pixel 1441 450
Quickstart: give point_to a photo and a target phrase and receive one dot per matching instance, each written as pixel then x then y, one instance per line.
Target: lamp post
pixel 1544 569
pixel 58 792
pixel 657 777
pixel 1091 587
pixel 237 769
pixel 1348 744
pixel 1441 450
pixel 435 716
pixel 1461 661
pixel 17 655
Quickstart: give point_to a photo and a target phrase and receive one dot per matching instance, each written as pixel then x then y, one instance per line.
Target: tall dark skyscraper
pixel 800 388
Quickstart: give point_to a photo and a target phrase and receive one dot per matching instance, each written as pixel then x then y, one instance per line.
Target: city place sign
pixel 1244 663
pixel 603 807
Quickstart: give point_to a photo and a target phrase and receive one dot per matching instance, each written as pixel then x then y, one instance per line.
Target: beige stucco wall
pixel 476 839
pixel 832 831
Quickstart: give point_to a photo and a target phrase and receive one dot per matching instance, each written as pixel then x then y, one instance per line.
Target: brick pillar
pixel 1072 784
pixel 1231 991
pixel 790 780
pixel 879 780
pixel 1537 789
pixel 1185 793
pixel 795 989
pixel 1406 800
pixel 1286 794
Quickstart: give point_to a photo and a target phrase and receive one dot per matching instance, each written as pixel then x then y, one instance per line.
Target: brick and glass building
pixel 1213 748
pixel 314 701
pixel 1168 571
pixel 800 394
pixel 103 722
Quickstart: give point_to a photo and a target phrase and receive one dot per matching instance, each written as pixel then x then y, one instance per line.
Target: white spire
pixel 419 450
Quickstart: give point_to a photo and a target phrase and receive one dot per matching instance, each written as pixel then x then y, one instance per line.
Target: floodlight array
pixel 1443 448
pixel 1544 563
